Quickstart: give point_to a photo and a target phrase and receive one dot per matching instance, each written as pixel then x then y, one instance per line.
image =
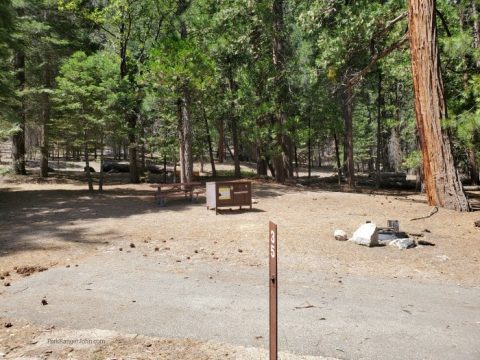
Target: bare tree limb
pixel 444 22
pixel 389 25
pixel 432 212
pixel 357 77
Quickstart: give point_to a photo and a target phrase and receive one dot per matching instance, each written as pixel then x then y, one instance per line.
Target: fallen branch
pixel 432 212
pixel 306 306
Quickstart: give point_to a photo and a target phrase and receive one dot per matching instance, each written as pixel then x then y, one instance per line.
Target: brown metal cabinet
pixel 229 193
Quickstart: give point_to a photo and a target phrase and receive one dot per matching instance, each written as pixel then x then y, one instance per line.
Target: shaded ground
pixel 52 224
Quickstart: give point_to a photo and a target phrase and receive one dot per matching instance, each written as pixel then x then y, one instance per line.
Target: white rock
pixel 340 235
pixel 443 257
pixel 366 234
pixel 405 243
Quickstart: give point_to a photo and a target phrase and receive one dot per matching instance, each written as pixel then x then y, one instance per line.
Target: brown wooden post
pixel 273 290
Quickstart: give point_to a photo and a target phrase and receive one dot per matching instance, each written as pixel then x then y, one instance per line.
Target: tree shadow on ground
pixel 31 219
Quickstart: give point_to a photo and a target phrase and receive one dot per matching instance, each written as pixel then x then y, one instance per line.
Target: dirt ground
pixel 49 224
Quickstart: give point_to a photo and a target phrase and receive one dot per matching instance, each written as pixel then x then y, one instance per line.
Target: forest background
pixel 274 82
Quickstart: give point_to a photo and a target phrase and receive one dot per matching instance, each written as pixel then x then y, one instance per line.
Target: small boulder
pixel 340 235
pixel 405 243
pixel 366 234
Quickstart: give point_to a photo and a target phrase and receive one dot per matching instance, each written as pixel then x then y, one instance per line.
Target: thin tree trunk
pixel 186 174
pixel 132 149
pixel 101 175
pixel 187 167
pixel 142 148
pixel 296 160
pixel 87 165
pixel 165 169
pixel 476 30
pixel 181 142
pixel 236 148
pixel 378 178
pixel 309 144
pixel 174 168
pixel 45 119
pixel 261 162
pixel 261 154
pixel 442 182
pixel 337 155
pixel 221 142
pixel 18 139
pixel 209 142
pixel 229 151
pixel 277 162
pixel 472 165
pixel 130 117
pixel 234 124
pixel 270 167
pixel 347 116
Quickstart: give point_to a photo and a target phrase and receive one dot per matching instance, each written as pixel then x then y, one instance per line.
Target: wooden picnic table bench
pixel 188 189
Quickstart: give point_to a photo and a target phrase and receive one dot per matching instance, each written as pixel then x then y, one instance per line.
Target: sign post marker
pixel 273 281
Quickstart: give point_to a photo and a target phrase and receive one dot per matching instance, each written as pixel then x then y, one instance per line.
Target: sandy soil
pixel 50 224
pixel 26 341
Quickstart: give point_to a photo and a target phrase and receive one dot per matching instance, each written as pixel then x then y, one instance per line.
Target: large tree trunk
pixel 442 182
pixel 18 139
pixel 283 163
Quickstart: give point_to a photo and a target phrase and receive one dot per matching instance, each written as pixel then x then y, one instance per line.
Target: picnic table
pixel 166 191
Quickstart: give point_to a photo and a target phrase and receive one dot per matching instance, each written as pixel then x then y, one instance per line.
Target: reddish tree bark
pixel 442 182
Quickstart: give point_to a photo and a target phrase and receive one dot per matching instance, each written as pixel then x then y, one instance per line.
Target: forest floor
pixel 50 227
